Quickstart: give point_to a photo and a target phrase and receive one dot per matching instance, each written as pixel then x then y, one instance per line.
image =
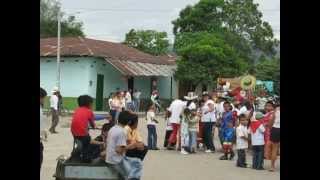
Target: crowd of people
pixel 191 122
pixel 124 100
pixel 119 145
pixel 245 124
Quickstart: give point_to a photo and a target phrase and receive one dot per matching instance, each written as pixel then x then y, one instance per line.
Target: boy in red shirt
pixel 82 118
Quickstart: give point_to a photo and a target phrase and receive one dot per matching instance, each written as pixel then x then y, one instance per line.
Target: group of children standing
pixel 265 137
pixel 239 124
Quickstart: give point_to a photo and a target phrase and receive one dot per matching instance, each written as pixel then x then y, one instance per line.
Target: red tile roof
pixel 78 46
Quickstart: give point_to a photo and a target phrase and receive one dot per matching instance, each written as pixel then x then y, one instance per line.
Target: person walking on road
pixel 54 104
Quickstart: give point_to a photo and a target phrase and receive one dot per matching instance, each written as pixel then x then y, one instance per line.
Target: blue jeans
pixel 192 139
pixel 129 168
pixel 152 137
pixel 116 117
pixel 257 159
pixel 208 135
pixel 113 115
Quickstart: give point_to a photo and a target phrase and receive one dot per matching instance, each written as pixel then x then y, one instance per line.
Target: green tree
pixel 240 29
pixel 204 57
pixel 149 41
pixel 49 10
pixel 239 21
pixel 269 70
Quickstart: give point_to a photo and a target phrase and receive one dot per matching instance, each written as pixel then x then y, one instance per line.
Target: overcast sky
pixel 111 20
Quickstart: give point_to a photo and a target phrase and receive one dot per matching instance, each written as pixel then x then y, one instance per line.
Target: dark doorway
pixel 130 83
pixel 99 92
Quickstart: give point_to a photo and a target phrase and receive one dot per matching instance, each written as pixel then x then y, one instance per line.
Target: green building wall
pixel 79 76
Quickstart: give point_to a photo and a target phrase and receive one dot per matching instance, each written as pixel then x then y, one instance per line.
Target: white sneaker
pixel 184 152
pixel 208 151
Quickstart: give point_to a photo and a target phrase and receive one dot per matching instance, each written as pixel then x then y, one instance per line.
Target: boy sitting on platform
pixel 128 167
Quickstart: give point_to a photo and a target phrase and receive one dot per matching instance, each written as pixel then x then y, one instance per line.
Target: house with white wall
pixel 97 68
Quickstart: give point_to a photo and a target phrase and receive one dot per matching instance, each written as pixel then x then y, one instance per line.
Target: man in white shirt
pixel 175 109
pixel 209 121
pixel 54 100
pixel 43 94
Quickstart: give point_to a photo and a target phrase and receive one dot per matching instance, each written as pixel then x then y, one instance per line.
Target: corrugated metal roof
pixel 78 46
pixel 130 68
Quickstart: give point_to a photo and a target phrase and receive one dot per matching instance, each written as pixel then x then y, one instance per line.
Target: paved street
pixel 163 164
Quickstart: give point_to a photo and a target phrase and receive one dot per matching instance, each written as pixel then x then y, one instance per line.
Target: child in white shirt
pixel 152 130
pixel 257 139
pixel 242 141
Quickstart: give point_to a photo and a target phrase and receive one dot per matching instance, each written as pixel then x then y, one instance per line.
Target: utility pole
pixel 58 50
